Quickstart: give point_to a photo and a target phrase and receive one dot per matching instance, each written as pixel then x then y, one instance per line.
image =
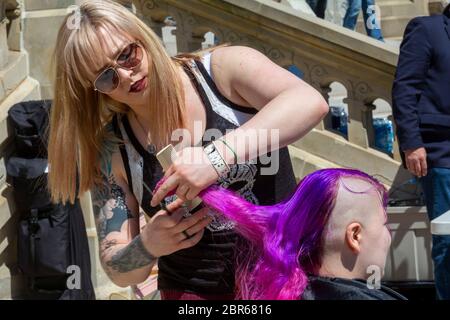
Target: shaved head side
pixel 356 236
pixel 354 200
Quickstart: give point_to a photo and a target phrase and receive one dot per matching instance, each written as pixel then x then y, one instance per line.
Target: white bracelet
pixel 217 160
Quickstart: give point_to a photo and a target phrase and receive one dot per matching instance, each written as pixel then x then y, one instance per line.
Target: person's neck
pixel 141 114
pixel 142 111
pixel 340 266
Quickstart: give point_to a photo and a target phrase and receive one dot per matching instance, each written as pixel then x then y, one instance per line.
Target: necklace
pixel 151 148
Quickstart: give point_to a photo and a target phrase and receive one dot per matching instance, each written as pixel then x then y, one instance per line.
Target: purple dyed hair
pixel 285 239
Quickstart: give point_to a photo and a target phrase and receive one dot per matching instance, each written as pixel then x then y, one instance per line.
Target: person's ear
pixel 353 237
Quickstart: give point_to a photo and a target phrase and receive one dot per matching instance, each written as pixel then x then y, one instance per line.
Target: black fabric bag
pixel 51 237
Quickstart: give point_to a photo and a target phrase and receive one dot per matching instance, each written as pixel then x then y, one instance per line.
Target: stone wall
pixel 41 23
pixel 15 86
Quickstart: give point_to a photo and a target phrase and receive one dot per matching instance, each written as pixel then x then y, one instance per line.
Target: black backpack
pixel 52 239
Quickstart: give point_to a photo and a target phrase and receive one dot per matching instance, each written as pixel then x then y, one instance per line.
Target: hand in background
pixel 416 161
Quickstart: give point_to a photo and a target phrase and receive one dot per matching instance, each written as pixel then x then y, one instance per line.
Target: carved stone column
pixel 317 76
pixel 2 10
pixel 326 122
pixel 13 12
pixel 360 126
pixel 187 39
pixel 152 13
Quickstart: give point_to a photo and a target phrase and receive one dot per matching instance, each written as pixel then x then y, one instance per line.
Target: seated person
pixel 322 243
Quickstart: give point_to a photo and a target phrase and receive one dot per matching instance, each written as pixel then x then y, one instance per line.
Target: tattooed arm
pixel 128 255
pixel 122 253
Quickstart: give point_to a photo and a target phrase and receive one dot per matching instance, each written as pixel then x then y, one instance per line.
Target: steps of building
pixel 27 90
pixel 305 163
pixel 397 8
pixel 393 26
pixel 13 73
pixel 337 150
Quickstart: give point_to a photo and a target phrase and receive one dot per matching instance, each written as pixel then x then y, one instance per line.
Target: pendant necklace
pixel 151 148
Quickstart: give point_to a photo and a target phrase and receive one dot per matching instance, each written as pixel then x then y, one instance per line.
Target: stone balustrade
pixel 324 52
pixel 13 12
pixel 2 10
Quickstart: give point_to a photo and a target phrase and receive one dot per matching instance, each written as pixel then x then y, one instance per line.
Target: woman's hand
pixel 189 174
pixel 167 232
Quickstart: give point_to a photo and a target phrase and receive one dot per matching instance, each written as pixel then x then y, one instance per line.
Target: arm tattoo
pixel 131 257
pixel 111 211
pixel 110 208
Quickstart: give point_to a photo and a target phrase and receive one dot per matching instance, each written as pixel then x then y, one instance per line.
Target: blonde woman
pixel 118 99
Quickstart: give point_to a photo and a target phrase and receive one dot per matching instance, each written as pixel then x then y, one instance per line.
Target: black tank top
pixel 206 268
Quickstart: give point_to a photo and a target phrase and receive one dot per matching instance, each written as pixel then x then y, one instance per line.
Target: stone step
pixel 394 41
pixel 393 26
pixel 27 90
pixel 305 163
pixel 335 149
pixel 397 8
pixel 13 73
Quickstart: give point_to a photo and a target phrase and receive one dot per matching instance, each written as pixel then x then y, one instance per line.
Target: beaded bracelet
pixel 216 160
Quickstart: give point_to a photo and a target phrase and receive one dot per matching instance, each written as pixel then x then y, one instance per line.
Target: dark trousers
pixel 318 6
pixel 436 186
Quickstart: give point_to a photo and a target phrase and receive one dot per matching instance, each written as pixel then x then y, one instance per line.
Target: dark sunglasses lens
pixel 107 81
pixel 131 56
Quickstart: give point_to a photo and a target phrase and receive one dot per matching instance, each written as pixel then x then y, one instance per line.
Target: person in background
pixel 345 13
pixel 318 6
pixel 421 109
pixel 370 15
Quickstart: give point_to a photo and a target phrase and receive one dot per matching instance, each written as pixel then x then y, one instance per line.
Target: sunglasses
pixel 129 58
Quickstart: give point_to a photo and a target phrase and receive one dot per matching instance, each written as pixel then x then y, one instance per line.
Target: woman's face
pixel 133 83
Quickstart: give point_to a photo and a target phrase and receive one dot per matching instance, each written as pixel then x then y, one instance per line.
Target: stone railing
pixel 324 52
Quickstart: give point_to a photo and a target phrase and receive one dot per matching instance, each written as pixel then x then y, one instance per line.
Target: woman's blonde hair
pixel 78 115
